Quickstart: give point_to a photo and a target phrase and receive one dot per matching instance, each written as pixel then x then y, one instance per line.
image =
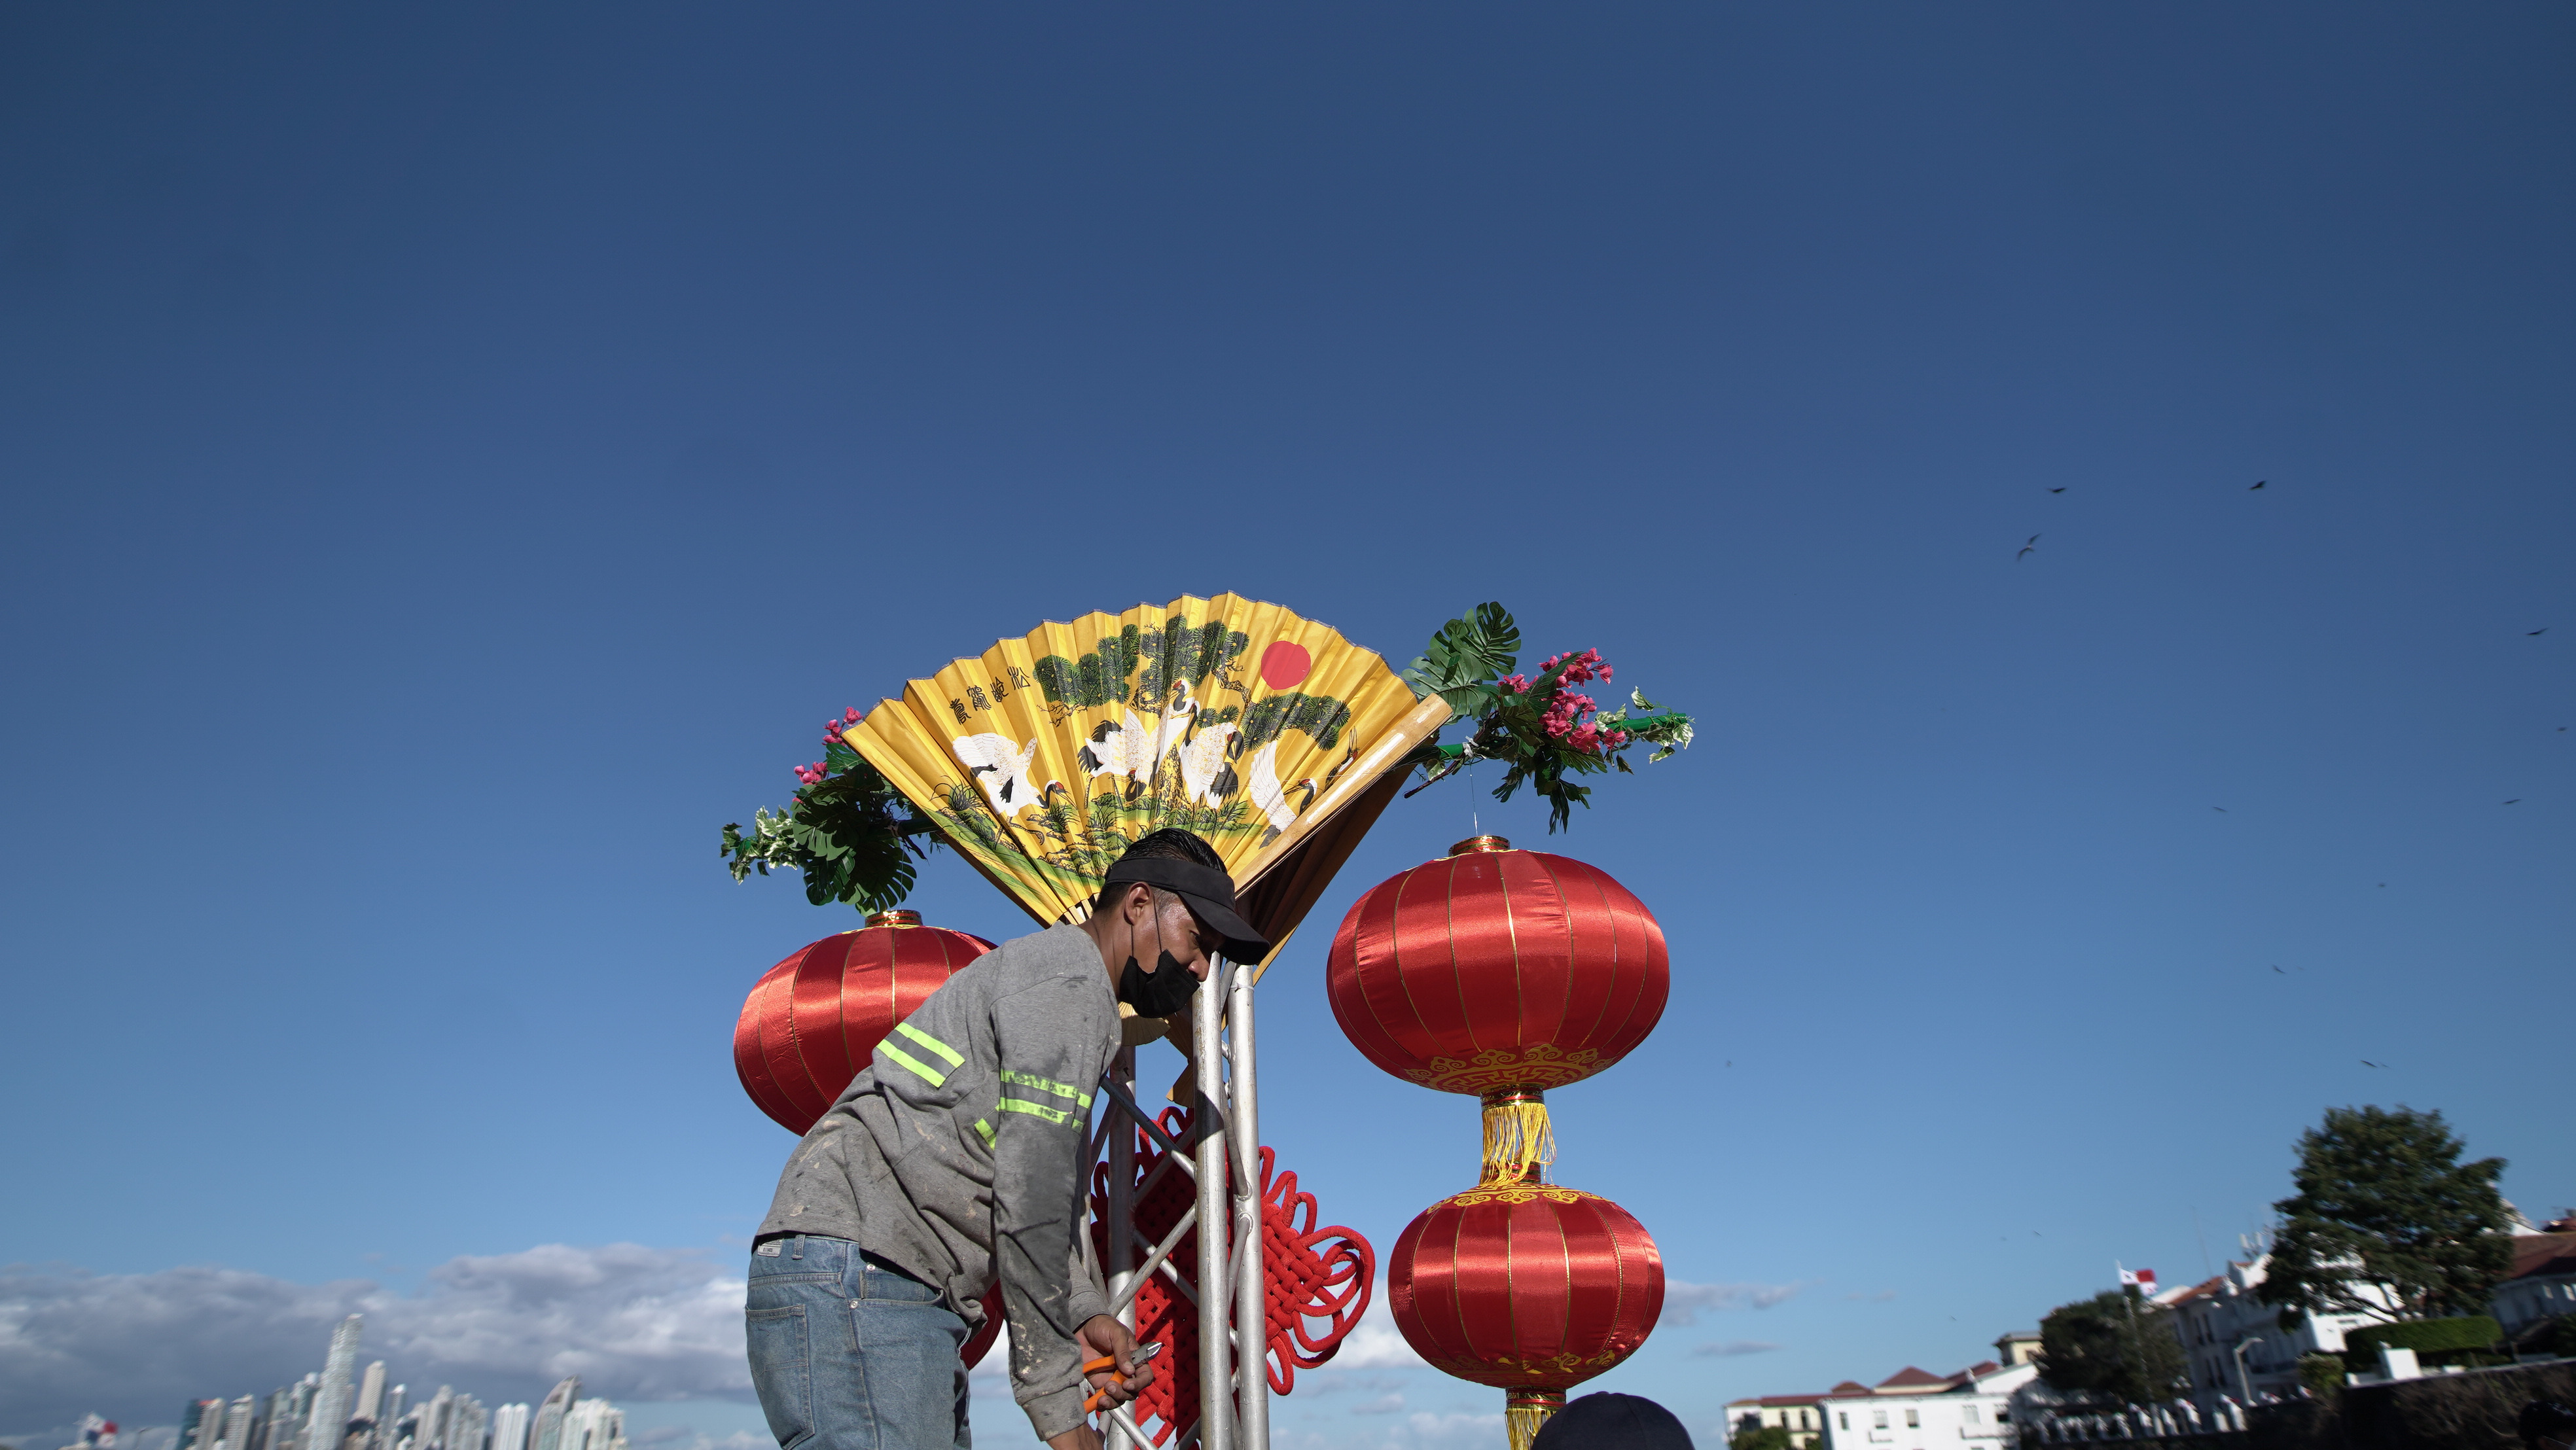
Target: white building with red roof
pixel 1914 1410
pixel 2541 1285
pixel 2234 1344
pixel 1801 1415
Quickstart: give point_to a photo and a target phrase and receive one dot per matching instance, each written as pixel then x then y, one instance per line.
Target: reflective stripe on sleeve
pixel 927 1073
pixel 933 1043
pixel 1046 1085
pixel 1034 1110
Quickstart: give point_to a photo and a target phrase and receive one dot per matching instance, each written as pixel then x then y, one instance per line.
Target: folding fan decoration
pixel 1043 758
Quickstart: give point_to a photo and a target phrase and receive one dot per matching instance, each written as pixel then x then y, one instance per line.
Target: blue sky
pixel 453 459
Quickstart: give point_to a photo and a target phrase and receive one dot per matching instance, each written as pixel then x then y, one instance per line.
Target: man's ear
pixel 1136 890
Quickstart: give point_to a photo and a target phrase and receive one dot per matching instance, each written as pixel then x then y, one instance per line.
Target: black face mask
pixel 1161 994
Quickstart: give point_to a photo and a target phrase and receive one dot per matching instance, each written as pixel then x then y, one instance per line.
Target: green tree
pixel 1764 1437
pixel 2116 1343
pixel 2322 1374
pixel 2384 1202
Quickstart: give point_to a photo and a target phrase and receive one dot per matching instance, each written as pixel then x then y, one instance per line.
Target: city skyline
pixel 372 1412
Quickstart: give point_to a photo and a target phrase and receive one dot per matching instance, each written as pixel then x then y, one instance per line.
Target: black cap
pixel 1611 1421
pixel 1209 892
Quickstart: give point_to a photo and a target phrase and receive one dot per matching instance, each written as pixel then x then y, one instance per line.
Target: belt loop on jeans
pixel 796 1247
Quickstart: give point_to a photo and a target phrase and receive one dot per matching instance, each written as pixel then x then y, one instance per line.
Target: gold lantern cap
pixel 1480 845
pixel 896 917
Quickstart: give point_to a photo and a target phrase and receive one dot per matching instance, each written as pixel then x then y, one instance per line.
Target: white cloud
pixel 1382 1405
pixel 1734 1347
pixel 633 1322
pixel 1375 1342
pixel 1683 1302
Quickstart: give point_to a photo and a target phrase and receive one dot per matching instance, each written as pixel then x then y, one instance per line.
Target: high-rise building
pixel 545 1428
pixel 329 1419
pixel 299 1408
pixel 371 1394
pixel 237 1424
pixel 277 1424
pixel 510 1428
pixel 389 1424
pixel 201 1425
pixel 431 1431
pixel 594 1425
pixel 468 1426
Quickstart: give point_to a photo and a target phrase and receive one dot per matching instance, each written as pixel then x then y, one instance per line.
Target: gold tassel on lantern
pixel 1524 1411
pixel 1518 1142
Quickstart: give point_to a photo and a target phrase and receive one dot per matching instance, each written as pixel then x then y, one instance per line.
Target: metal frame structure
pixel 1224 1157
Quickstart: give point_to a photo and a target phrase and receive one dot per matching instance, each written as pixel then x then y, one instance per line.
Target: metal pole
pixel 1120 1265
pixel 1207 1117
pixel 1251 1292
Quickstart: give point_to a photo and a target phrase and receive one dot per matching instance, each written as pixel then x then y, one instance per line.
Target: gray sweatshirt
pixel 960 1153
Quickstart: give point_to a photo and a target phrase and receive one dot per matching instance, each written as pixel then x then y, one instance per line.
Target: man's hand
pixel 1102 1335
pixel 1125 1379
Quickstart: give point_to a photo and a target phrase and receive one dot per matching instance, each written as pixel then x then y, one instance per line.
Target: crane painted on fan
pixel 1207 765
pixel 1002 770
pixel 1122 748
pixel 1270 797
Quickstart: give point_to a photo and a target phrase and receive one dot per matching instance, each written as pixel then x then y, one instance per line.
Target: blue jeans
pixel 849 1353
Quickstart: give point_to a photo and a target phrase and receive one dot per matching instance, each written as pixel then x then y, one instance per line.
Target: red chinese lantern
pixel 1529 1287
pixel 1500 973
pixel 811 1021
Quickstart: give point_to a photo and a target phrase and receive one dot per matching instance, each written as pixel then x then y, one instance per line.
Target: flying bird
pixel 2222 810
pixel 2366 1062
pixel 2277 969
pixel 2027 548
pixel 2057 490
pixel 2258 485
pixel 2517 800
pixel 2544 629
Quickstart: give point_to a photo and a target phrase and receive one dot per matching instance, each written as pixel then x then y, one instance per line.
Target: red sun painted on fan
pixel 1285 664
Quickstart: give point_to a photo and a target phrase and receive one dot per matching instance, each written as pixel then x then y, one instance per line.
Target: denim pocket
pixel 883 1285
pixel 782 1371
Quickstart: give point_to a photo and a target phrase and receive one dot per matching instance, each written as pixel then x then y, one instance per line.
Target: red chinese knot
pixel 1317 1279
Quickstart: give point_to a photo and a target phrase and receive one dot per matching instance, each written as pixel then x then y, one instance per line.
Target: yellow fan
pixel 1269 735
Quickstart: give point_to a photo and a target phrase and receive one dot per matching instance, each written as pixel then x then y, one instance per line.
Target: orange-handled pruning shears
pixel 1143 1353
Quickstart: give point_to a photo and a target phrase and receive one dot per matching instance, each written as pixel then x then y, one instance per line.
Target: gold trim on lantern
pixel 1519 1143
pixel 1480 845
pixel 896 917
pixel 1526 1411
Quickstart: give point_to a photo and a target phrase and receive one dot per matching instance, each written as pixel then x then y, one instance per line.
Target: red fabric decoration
pixel 811 1021
pixel 1525 1286
pixel 1319 1278
pixel 809 1024
pixel 1494 968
